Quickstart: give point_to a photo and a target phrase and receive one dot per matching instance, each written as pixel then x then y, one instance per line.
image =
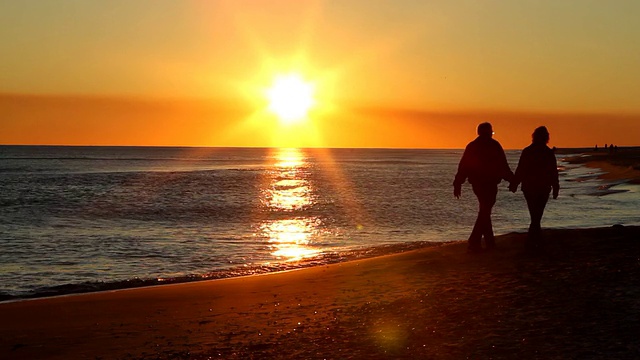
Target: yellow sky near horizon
pixel 569 65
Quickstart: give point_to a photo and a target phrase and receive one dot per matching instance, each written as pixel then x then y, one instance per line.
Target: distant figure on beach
pixel 538 172
pixel 484 164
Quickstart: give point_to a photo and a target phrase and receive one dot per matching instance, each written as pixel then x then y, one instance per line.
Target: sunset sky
pixel 384 73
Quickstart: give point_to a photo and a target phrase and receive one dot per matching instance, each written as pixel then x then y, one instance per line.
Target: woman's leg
pixel 536 202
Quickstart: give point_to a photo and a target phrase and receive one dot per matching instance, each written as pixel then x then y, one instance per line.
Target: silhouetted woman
pixel 538 172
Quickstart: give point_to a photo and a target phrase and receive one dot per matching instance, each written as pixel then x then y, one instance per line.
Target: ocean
pixel 77 219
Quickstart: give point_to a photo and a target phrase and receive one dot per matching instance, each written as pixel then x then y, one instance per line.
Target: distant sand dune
pixel 622 164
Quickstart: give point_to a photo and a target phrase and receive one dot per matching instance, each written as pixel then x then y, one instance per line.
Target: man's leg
pixel 476 234
pixel 486 198
pixel 486 206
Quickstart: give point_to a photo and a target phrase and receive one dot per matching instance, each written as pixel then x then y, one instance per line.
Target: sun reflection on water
pixel 289 158
pixel 289 191
pixel 290 238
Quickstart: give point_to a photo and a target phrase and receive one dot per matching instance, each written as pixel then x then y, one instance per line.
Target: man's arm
pixel 462 174
pixel 517 177
pixel 507 174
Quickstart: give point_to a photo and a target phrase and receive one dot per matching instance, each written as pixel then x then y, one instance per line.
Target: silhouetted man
pixel 538 172
pixel 484 163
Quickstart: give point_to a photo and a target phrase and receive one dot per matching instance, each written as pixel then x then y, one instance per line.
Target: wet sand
pixel 579 299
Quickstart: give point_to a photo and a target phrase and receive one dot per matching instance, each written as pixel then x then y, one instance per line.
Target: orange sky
pixel 388 74
pixel 113 121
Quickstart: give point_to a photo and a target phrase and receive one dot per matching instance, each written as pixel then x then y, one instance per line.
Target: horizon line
pixel 281 147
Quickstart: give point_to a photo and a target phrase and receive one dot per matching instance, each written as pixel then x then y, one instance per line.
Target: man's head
pixel 485 130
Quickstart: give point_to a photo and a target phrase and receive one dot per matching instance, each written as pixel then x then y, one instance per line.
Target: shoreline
pixel 577 300
pixel 614 172
pixel 230 273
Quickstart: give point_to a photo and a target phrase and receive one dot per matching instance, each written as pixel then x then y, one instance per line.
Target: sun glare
pixel 290 97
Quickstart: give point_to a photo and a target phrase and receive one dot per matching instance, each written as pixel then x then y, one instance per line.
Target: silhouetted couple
pixel 484 164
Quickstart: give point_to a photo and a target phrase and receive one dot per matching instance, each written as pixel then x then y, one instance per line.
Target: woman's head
pixel 540 135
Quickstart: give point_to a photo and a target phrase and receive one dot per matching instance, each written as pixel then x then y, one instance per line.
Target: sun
pixel 291 97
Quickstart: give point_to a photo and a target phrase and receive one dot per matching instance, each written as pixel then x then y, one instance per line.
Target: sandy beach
pixel 578 300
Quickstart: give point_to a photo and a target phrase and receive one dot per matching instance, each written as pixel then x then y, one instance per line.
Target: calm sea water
pixel 82 218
